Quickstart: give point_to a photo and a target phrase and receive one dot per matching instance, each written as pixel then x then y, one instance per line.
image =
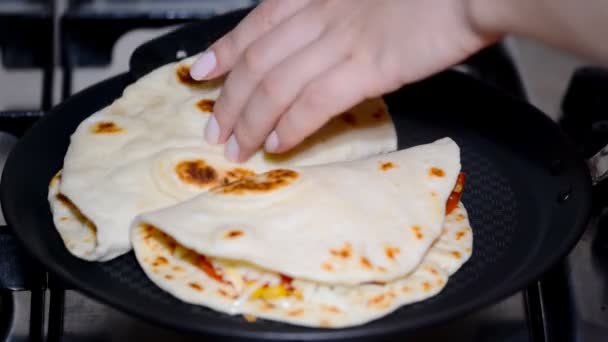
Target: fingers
pixel 224 53
pixel 323 98
pixel 257 60
pixel 280 87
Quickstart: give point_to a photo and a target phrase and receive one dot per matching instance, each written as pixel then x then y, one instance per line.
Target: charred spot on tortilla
pixel 391 252
pixel 295 312
pixel 196 172
pixel 349 118
pixel 432 270
pixel 168 277
pixel 417 232
pixel 235 174
pixel 385 166
pixel 264 183
pixel 106 127
pixel 437 172
pixel 325 323
pixel 196 286
pixel 233 234
pixel 365 263
pixel 456 254
pixel 160 261
pixel 55 179
pixel 331 309
pixel 426 286
pixel 206 105
pixel 378 114
pixel 68 204
pixel 343 252
pixel 183 75
pixel 460 234
pixel 460 217
pixel 327 266
pixel 250 318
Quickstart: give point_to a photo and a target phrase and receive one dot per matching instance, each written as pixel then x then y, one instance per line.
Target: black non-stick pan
pixel 528 193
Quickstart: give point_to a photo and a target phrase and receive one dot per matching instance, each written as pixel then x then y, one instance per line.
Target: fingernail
pixel 272 142
pixel 212 131
pixel 232 149
pixel 203 65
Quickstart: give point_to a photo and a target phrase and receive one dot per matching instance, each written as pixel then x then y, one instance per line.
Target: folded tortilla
pixel 349 222
pixel 241 287
pixel 146 151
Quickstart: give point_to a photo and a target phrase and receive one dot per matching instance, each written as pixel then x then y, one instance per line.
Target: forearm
pixel 575 25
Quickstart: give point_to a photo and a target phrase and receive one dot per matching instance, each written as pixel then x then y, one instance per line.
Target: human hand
pixel 294 64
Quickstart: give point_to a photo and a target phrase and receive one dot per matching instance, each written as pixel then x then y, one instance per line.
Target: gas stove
pixel 568 303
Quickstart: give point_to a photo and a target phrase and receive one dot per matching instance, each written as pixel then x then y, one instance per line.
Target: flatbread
pixel 146 151
pixel 348 223
pixel 177 270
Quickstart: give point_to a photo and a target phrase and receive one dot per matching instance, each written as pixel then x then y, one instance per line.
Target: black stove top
pixel 568 304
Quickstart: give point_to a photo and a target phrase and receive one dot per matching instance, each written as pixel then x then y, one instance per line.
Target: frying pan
pixel 528 194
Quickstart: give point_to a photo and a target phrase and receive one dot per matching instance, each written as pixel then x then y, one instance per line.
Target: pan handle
pixel 598 165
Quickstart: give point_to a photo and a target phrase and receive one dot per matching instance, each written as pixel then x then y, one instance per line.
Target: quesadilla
pixel 146 151
pixel 323 246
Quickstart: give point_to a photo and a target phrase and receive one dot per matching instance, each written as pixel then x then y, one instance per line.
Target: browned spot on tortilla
pixel 239 173
pixel 433 194
pixel 378 283
pixel 440 282
pixel 55 179
pixel 226 294
pixel 160 261
pixel 376 299
pixel 196 172
pixel 426 286
pixel 325 323
pixel 63 218
pixel 343 252
pixel 460 234
pixel 264 183
pixel 365 263
pixel 406 289
pixel 106 127
pixel 183 75
pixel 349 118
pixel 331 309
pixel 437 172
pixel 295 312
pixel 417 232
pixel 206 105
pixel 76 213
pixel 385 166
pixel 432 270
pixel 456 254
pixel 250 318
pixel 196 286
pixel 168 276
pixel 178 269
pixel 391 252
pixel 233 234
pixel 378 114
pixel 460 217
pixel 327 266
pixel 265 306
